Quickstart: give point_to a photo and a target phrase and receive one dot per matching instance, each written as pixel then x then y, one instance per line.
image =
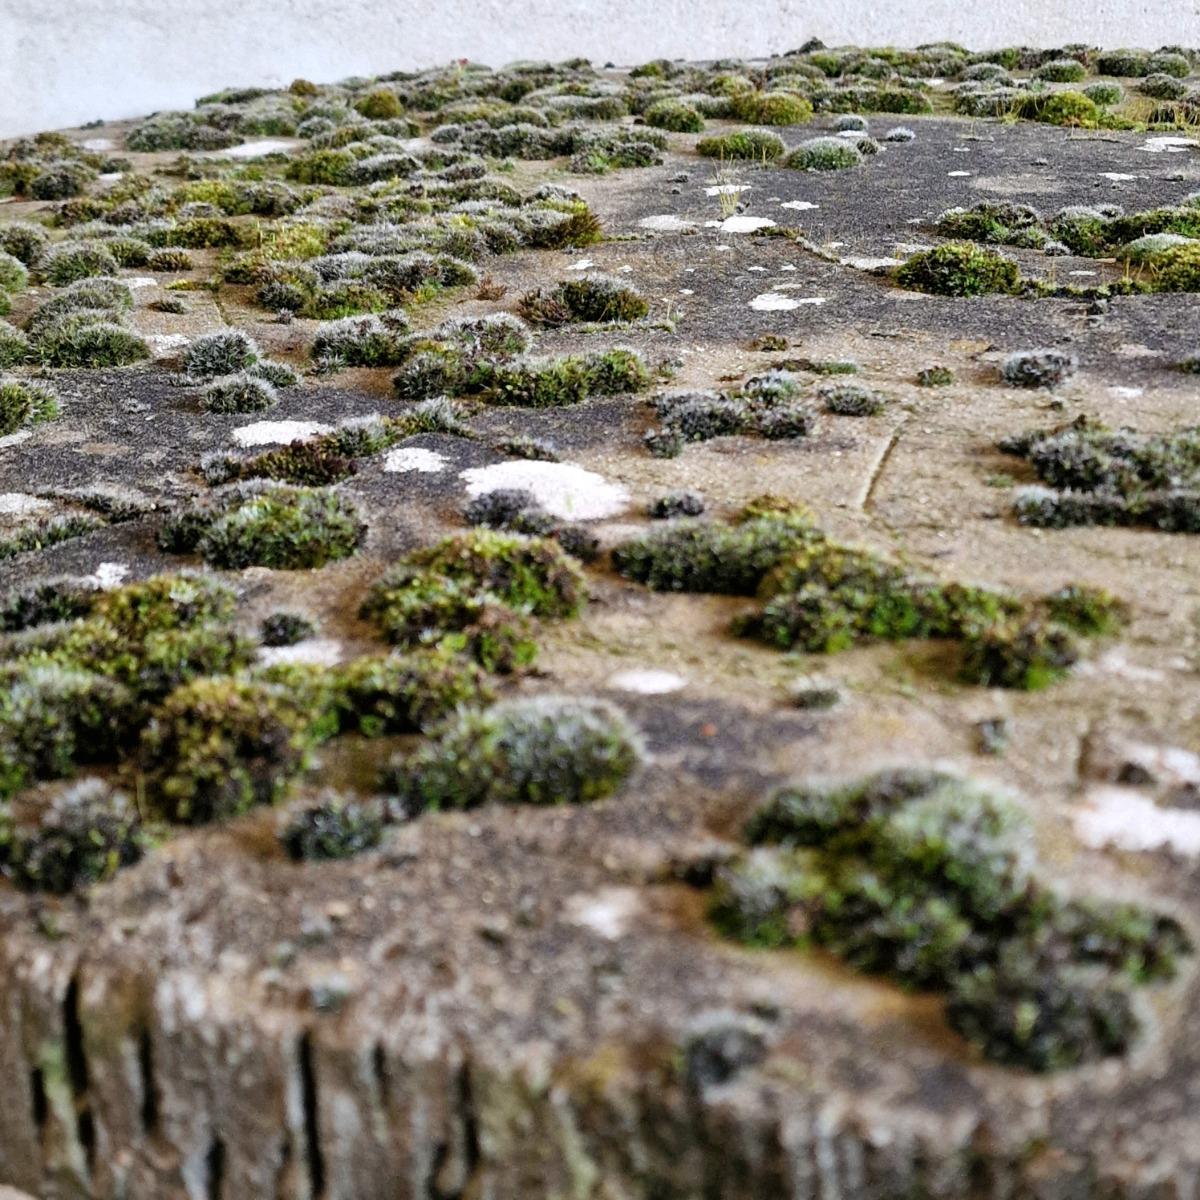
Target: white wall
pixel 63 62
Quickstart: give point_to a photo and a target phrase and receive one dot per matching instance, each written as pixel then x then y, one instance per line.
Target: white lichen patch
pixel 272 433
pixel 1126 393
pixel 865 263
pixel 414 458
pixel 319 652
pixel 727 189
pixel 1168 145
pixel 99 143
pixel 608 912
pixel 140 281
pixel 165 344
pixel 1117 176
pixel 778 302
pixel 564 490
pixel 647 681
pixel 1127 820
pixel 582 265
pixel 800 205
pixel 739 224
pixel 15 439
pixel 666 223
pixel 258 149
pixel 109 574
pixel 18 504
pixel 958 174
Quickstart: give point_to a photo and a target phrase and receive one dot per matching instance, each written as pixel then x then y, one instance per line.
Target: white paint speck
pixel 865 263
pixel 17 504
pixel 727 189
pixel 320 652
pixel 140 281
pixel 607 912
pixel 257 149
pixel 99 144
pixel 687 291
pixel 108 177
pixel 271 433
pixel 1168 145
pixel 414 458
pixel 799 205
pixel 1087 273
pixel 582 265
pixel 787 267
pixel 762 270
pixel 1124 818
pixel 649 682
pixel 564 490
pixel 1116 176
pixel 958 174
pixel 666 223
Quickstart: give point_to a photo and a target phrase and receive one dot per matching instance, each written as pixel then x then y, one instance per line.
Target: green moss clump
pixel 1104 94
pixel 1059 108
pixel 83 835
pixel 958 269
pixel 406 693
pixel 758 145
pixel 268 525
pixel 1061 70
pixel 1029 655
pixel 935 376
pixel 675 115
pixel 696 556
pixel 824 154
pixel 238 393
pixel 380 104
pixel 1090 611
pixel 217 354
pixel 24 402
pixel 46 602
pixel 14 346
pixel 598 298
pixel 83 341
pixel 1177 269
pixel 66 262
pixel 332 828
pixel 285 629
pixel 24 240
pixel 217 747
pixel 542 750
pixel 851 400
pixel 772 108
pixel 13 275
pixel 930 881
pixel 49 532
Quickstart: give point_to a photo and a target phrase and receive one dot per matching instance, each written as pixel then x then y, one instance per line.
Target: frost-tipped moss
pixel 82 835
pixel 24 402
pixel 13 275
pixel 936 376
pixel 268 525
pixel 1038 368
pixel 217 747
pixel 24 240
pixel 238 393
pixel 14 346
pixel 675 115
pixel 331 828
pixel 772 108
pixel 958 269
pixel 592 298
pixel 224 353
pixel 851 400
pixel 83 341
pixel 755 144
pixel 543 750
pixel 68 261
pixel 823 154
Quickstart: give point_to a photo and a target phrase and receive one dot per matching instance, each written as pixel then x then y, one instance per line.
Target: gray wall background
pixel 64 62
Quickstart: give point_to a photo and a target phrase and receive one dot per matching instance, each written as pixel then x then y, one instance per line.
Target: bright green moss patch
pixel 24 402
pixel 753 144
pixel 930 881
pixel 958 269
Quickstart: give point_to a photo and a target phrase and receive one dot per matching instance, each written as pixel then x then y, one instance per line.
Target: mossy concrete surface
pixel 531 1001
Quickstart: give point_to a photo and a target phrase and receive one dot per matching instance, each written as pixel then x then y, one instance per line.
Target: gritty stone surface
pixel 500 1003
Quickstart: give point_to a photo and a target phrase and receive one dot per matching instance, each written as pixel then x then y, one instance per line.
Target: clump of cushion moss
pixel 1059 108
pixel 81 834
pixel 364 341
pixel 47 601
pixel 675 115
pixel 771 107
pixel 1028 654
pixel 823 154
pixel 24 240
pixel 405 692
pixel 591 298
pixel 268 525
pixel 1177 269
pixel 851 400
pixel 216 354
pixel 14 346
pixel 331 828
pixel 24 402
pixel 958 269
pixel 758 145
pixel 541 750
pixel 217 747
pixel 80 340
pixel 68 261
pixel 284 628
pixel 1038 368
pixel 13 275
pixel 238 393
pixel 935 376
pixel 930 880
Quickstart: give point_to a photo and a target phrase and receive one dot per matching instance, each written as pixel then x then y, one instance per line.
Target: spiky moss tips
pixel 285 629
pixel 675 115
pixel 13 275
pixel 1059 108
pixel 771 108
pixel 1104 94
pixel 1038 368
pixel 14 346
pixel 364 341
pixel 406 692
pixel 958 269
pixel 66 262
pixel 540 750
pixel 1061 70
pixel 1090 611
pixel 851 400
pixel 268 525
pixel 597 298
pixel 238 393
pixel 82 834
pixel 24 402
pixel 24 240
pixel 823 154
pixel 676 504
pixel 331 828
pixel 709 557
pixel 224 353
pixel 1177 269
pixel 930 880
pixel 47 601
pixel 936 376
pixel 81 340
pixel 754 144
pixel 217 747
